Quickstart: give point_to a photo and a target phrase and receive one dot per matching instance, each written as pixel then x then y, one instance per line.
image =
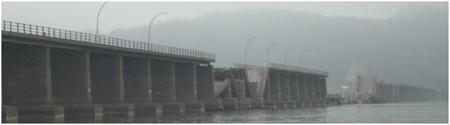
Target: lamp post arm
pixel 150 25
pixel 300 65
pixel 285 56
pixel 98 15
pixel 267 59
pixel 246 51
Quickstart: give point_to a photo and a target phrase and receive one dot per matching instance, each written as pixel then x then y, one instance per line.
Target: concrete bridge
pixel 275 86
pixel 68 71
pixel 405 92
pixel 68 74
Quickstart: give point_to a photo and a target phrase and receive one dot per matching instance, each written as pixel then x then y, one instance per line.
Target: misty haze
pixel 346 62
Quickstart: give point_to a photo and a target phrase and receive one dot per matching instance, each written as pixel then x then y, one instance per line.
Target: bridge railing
pixel 237 65
pixel 103 40
pixel 285 67
pixel 295 68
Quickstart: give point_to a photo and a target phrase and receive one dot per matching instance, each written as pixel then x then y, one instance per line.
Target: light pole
pixel 98 15
pixel 300 65
pixel 268 52
pixel 246 51
pixel 150 25
pixel 285 56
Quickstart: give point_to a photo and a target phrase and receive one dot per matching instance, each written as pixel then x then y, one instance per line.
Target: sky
pixel 82 16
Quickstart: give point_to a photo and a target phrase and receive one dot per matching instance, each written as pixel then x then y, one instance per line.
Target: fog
pixel 401 45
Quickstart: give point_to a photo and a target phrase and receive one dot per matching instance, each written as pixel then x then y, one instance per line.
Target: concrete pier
pixel 205 87
pixel 245 103
pixel 87 112
pixel 293 87
pixel 291 104
pixel 148 109
pixel 26 75
pixel 270 105
pixel 163 81
pixel 106 78
pixel 173 107
pixel 9 114
pixel 185 82
pixel 230 103
pixel 137 80
pixel 302 88
pixel 300 104
pixel 70 76
pixel 274 87
pixel 316 84
pixel 41 114
pixel 284 87
pixel 310 88
pixel 118 110
pixel 281 105
pixel 258 103
pixel 194 107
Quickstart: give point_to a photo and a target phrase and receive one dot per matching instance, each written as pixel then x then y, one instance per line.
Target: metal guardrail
pixel 285 67
pixel 237 65
pixel 103 40
pixel 295 68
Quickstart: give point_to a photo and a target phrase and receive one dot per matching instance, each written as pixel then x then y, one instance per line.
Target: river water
pixel 407 112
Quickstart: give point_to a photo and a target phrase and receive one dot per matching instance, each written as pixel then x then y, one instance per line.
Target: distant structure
pixel 366 84
pixel 345 89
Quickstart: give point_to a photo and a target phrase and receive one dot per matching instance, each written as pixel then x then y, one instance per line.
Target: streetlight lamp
pixel 150 25
pixel 246 50
pixel 98 15
pixel 285 56
pixel 268 52
pixel 300 65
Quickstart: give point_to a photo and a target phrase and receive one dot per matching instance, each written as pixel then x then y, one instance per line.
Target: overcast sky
pixel 82 16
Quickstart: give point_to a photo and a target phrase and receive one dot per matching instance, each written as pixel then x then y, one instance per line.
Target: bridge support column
pixel 137 80
pixel 323 89
pixel 71 83
pixel 317 93
pixel 302 90
pixel 163 81
pixel 293 87
pixel 274 85
pixel 185 82
pixel 106 78
pixel 284 87
pixel 26 77
pixel 310 90
pixel 205 87
pixel 273 91
pixel 186 87
pixel 267 90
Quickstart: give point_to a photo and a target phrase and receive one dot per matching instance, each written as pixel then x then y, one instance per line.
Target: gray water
pixel 411 112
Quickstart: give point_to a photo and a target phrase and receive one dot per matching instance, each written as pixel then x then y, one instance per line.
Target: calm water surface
pixel 411 112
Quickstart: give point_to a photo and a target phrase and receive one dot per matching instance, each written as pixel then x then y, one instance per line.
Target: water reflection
pixel 436 112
